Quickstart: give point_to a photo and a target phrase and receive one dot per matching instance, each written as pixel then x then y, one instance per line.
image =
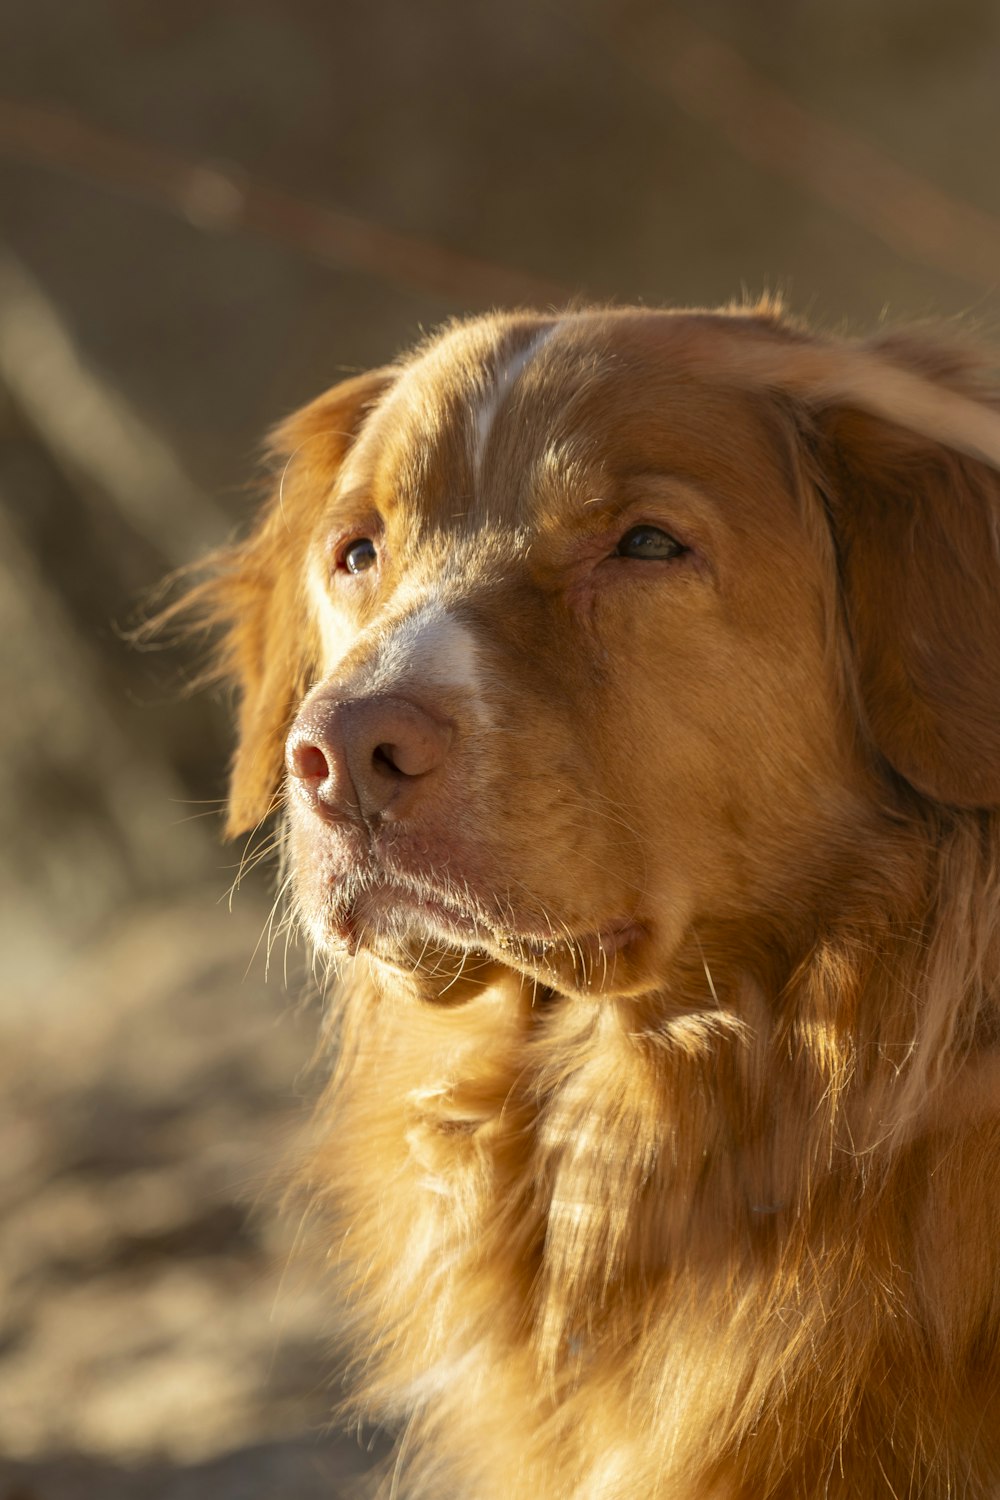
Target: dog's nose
pixel 367 757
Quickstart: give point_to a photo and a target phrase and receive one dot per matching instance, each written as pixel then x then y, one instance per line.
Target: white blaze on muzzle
pixel 431 648
pixel 426 653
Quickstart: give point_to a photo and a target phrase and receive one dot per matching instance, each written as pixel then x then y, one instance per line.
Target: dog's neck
pixel 564 1169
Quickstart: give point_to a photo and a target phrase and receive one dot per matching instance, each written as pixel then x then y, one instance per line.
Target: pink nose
pixel 371 758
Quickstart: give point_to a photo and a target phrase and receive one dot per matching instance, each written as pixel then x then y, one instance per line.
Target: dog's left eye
pixel 650 544
pixel 360 555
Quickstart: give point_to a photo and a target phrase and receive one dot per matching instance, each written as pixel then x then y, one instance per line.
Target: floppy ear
pixel 909 452
pixel 917 525
pixel 255 592
pixel 907 438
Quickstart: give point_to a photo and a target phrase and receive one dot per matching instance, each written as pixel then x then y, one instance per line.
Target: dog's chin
pixel 420 934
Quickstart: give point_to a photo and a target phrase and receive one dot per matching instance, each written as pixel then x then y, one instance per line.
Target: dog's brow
pixel 355 500
pixel 502 378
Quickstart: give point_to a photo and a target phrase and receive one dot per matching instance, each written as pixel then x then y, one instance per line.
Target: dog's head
pixel 568 634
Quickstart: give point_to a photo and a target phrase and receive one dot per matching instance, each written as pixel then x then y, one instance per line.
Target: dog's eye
pixel 650 544
pixel 359 556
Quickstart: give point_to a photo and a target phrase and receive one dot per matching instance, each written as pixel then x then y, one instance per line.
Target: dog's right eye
pixel 650 544
pixel 358 556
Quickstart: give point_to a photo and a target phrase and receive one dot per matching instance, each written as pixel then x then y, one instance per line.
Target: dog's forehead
pixel 510 419
pixel 425 445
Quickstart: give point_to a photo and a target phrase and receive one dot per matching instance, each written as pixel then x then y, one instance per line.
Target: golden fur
pixel 662 1152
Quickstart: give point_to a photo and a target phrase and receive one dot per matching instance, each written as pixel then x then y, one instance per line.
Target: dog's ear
pixel 917 526
pixel 906 440
pixel 253 594
pixel 909 452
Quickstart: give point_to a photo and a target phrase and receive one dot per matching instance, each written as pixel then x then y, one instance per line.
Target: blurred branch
pixel 93 505
pixel 226 199
pixel 709 81
pixel 72 773
pixel 91 429
pixel 703 76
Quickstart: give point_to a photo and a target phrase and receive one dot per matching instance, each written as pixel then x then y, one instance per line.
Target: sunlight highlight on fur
pixel 655 900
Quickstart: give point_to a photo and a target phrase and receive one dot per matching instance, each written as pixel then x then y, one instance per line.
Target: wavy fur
pixel 730 1232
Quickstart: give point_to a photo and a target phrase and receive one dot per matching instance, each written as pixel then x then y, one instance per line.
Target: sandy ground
pixel 156 1339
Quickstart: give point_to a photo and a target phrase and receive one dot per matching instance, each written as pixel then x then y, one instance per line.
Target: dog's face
pixel 556 705
pixel 569 669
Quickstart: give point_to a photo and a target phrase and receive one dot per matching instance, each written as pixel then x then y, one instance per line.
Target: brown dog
pixel 633 680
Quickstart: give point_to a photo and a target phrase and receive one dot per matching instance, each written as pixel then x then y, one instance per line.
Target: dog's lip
pixel 590 947
pixel 592 944
pixel 362 911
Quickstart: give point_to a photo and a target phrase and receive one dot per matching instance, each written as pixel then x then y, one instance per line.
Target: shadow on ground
pixel 294 1470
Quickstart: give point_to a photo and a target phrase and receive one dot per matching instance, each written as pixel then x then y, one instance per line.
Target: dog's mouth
pixel 402 921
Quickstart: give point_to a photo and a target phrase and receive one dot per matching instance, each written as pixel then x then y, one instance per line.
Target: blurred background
pixel 210 210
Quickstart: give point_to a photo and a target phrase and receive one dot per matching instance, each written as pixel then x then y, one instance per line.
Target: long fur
pixel 735 1235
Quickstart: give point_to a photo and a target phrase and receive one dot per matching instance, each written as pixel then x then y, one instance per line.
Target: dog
pixel 630 684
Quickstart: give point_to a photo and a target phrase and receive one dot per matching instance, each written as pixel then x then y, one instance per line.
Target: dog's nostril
pixel 385 759
pixel 309 763
pixel 419 749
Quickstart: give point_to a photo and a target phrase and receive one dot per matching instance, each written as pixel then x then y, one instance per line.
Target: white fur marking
pixel 430 646
pixel 336 632
pixel 504 380
pixel 426 647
